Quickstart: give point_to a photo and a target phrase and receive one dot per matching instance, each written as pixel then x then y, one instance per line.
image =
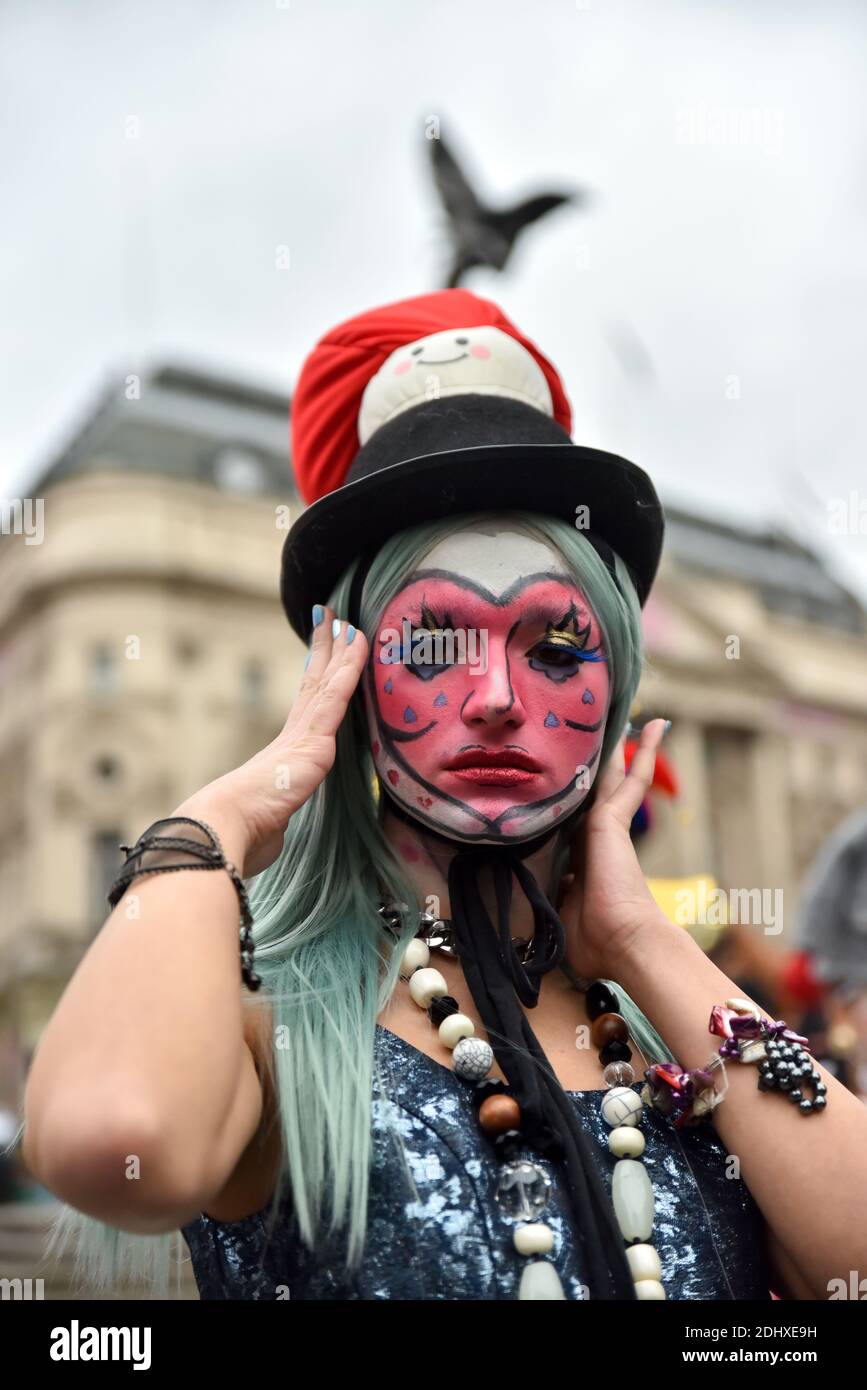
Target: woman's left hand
pixel 605 900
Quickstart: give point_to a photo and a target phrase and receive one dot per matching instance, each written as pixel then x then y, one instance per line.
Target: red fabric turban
pixel 328 395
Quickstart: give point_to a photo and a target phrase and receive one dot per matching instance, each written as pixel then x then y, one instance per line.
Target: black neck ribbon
pixel 500 983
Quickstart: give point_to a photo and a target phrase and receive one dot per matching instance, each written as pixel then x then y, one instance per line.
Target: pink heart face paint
pixel 495 733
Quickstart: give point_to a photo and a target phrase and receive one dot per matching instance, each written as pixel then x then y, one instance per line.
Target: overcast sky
pixel 708 311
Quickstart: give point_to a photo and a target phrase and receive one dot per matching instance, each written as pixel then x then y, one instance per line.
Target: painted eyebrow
pixel 534 613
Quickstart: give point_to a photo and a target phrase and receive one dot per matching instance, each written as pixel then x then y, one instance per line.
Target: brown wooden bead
pixel 499 1113
pixel 608 1028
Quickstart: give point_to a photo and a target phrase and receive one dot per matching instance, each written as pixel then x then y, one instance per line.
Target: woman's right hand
pixel 256 800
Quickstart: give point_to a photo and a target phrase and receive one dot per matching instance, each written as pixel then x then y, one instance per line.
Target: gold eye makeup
pixel 565 639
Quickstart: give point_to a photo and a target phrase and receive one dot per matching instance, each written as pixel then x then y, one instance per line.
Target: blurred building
pixel 758 656
pixel 143 652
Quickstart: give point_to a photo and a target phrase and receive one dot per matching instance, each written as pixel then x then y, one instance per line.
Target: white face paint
pixel 487 688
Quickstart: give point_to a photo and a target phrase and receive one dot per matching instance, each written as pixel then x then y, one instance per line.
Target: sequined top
pixel 447 1239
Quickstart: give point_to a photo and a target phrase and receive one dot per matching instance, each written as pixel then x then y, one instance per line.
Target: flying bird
pixel 481 235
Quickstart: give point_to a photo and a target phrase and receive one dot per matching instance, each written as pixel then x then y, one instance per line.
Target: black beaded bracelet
pixel 211 856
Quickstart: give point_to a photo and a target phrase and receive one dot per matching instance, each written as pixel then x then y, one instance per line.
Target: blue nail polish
pixel 350 633
pixel 335 628
pixel 318 614
pixel 307 662
pixel 667 727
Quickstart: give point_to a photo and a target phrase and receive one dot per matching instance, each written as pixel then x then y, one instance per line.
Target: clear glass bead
pixel 618 1074
pixel 523 1191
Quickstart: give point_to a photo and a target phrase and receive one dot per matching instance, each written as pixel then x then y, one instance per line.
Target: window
pixel 106 767
pixel 735 837
pixel 102 669
pixel 253 682
pixel 238 469
pixel 187 651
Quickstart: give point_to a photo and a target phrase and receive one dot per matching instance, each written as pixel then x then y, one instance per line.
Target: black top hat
pixel 469 453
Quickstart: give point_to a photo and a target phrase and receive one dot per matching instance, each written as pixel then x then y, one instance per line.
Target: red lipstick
pixel 494 767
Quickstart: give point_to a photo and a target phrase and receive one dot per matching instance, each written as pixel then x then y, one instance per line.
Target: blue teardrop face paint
pixel 483 728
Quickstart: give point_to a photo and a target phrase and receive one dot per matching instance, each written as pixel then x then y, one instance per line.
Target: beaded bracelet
pixel 685 1097
pixel 211 857
pixel 783 1058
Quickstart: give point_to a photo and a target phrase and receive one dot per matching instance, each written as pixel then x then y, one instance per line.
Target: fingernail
pixel 335 628
pixel 318 614
pixel 307 661
pixel 667 727
pixel 350 633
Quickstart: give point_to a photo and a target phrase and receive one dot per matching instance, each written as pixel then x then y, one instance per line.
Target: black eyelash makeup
pixel 565 633
pixel 428 622
pixel 563 650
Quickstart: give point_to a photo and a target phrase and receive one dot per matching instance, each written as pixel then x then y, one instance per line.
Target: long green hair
pixel 326 972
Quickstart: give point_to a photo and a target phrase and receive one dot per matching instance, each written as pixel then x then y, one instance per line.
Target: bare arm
pixel 806 1173
pixel 143 1093
pixel 145 1056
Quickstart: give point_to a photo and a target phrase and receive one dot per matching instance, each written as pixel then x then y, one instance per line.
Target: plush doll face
pixel 480 360
pixel 487 688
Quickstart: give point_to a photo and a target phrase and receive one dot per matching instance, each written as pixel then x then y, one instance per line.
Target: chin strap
pixel 499 983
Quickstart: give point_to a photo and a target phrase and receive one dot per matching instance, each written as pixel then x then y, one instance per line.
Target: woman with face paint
pixel 437 1092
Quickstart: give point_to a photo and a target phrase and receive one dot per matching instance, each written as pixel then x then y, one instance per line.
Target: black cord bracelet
pixel 211 857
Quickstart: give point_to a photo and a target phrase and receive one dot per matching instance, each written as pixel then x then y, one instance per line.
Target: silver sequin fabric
pixel 435 1230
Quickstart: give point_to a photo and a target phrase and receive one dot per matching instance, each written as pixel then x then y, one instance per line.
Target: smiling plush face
pixel 492 733
pixel 458 361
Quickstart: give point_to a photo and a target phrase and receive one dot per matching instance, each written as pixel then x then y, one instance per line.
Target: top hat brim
pixel 554 479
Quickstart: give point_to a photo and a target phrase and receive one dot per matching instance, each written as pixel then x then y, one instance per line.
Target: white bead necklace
pixel 524 1188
